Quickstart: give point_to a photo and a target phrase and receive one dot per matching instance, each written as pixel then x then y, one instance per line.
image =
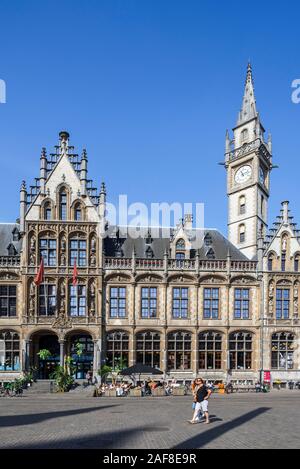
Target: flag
pixel 75 275
pixel 40 275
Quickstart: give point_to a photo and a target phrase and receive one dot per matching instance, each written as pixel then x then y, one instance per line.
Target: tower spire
pixel 248 110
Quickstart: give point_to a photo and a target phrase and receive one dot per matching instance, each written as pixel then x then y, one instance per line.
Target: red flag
pixel 75 275
pixel 40 275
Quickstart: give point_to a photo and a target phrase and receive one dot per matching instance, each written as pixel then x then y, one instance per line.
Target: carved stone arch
pixel 243 280
pixel 211 278
pixel 6 275
pixel 77 232
pixel 146 330
pixel 174 329
pixel 284 282
pixel 11 329
pixel 150 277
pixel 118 277
pixel 80 330
pixel 238 330
pixel 38 330
pixel 181 278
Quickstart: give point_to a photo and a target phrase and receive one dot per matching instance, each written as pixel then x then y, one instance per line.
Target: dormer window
pixel 180 250
pixel 211 254
pixel 148 238
pixel 208 240
pixel 16 235
pixel 11 250
pixel 296 263
pixel 149 253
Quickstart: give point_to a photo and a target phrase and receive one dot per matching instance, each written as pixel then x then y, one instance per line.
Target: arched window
pixel 117 344
pixel 240 349
pixel 148 349
pixel 242 205
pixel 210 351
pixel 63 205
pixel 179 351
pixel 9 351
pixel 270 262
pixel 47 211
pixel 242 234
pixel 244 135
pixel 180 250
pixel 282 351
pixel 78 212
pixel 296 263
pixel 82 362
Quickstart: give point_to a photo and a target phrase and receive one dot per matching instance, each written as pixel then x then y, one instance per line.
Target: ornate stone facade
pixel 187 310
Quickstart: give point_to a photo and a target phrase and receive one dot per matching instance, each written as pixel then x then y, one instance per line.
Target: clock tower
pixel 248 162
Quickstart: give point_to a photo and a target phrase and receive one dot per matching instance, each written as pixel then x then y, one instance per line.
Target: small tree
pixel 104 371
pixel 44 354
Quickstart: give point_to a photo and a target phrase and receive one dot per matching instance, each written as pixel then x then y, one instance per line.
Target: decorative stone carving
pixel 93 245
pixel 296 306
pixel 271 292
pixel 63 244
pixel 271 307
pixel 32 259
pixel 93 260
pixel 62 322
pixel 32 244
pixel 284 244
pixel 63 260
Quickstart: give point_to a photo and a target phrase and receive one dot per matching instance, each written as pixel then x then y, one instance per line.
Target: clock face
pixel 262 176
pixel 243 174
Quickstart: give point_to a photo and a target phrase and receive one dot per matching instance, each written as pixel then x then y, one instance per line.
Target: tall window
pixel 8 300
pixel 47 211
pixel 47 300
pixel 241 303
pixel 210 351
pixel 242 205
pixel 179 351
pixel 149 302
pixel 78 252
pixel 244 135
pixel 282 303
pixel 211 303
pixel 78 300
pixel 63 205
pixel 242 234
pixel 282 351
pixel 180 250
pixel 117 344
pixel 262 205
pixel 9 351
pixel 148 349
pixel 48 251
pixel 270 262
pixel 77 212
pixel 283 261
pixel 296 263
pixel 240 350
pixel 118 302
pixel 180 303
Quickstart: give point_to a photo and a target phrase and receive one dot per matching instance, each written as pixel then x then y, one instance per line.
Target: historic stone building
pixel 227 310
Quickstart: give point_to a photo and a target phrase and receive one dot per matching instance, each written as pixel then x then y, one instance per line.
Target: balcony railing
pixel 10 261
pixel 176 264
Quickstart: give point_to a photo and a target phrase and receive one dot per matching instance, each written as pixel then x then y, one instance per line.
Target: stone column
pixel 26 365
pixel 61 352
pixel 195 354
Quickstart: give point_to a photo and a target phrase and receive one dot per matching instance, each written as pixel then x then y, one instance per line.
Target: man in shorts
pixel 201 399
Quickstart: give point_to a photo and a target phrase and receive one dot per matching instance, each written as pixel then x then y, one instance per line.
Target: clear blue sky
pixel 149 88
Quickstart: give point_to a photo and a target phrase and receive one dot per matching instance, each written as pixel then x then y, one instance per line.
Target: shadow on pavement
pixel 211 434
pixel 29 419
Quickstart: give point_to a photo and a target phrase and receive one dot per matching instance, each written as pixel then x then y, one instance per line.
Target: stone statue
pixel 271 304
pixel 284 244
pixel 93 245
pixel 63 260
pixel 295 306
pixel 32 244
pixel 32 290
pixel 32 259
pixel 63 244
pixel 93 260
pixel 271 289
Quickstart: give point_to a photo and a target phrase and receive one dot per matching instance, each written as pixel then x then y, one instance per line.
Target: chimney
pixel 285 206
pixel 188 221
pixel 83 172
pixel 23 206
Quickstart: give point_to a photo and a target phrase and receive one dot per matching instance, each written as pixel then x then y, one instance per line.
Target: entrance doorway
pixel 82 354
pixel 45 342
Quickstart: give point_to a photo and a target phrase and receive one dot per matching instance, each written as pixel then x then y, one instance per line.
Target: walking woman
pixel 201 396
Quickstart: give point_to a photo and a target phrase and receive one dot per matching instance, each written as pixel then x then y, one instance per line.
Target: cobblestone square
pixel 66 421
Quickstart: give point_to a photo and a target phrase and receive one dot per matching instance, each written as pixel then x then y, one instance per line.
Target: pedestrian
pixel 89 377
pixel 201 396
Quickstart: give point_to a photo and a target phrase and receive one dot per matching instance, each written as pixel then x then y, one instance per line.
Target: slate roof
pixel 6 238
pixel 213 243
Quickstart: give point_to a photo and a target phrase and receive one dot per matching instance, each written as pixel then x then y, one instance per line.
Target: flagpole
pixel 45 292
